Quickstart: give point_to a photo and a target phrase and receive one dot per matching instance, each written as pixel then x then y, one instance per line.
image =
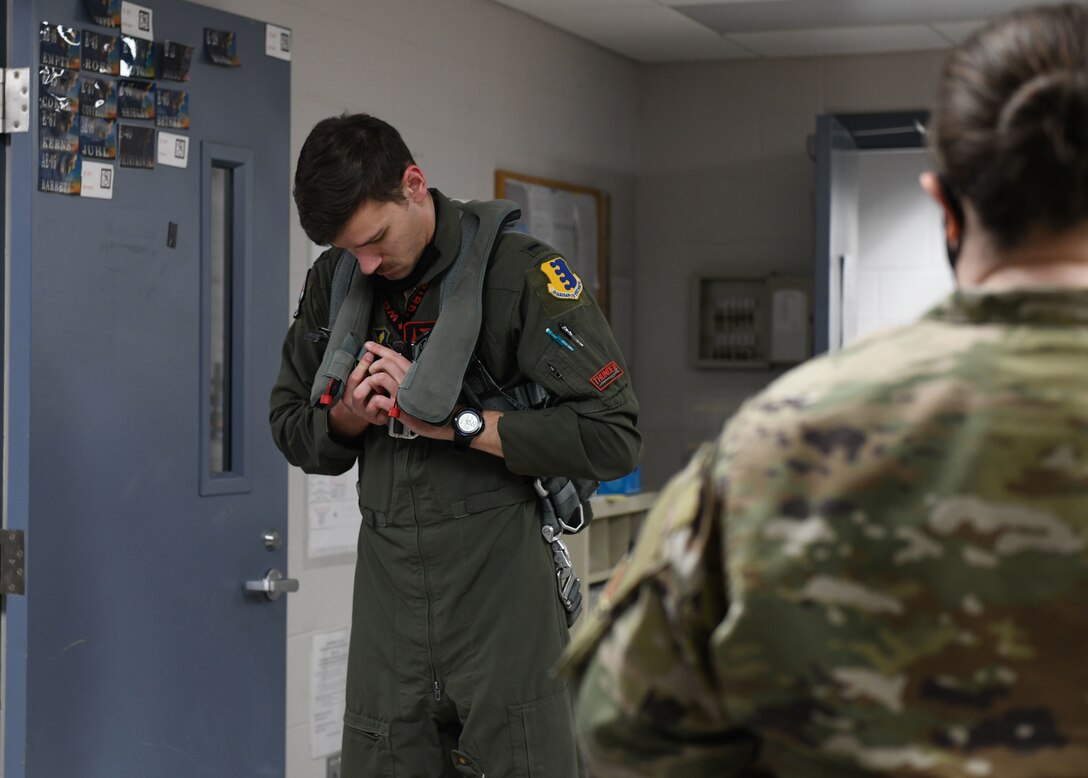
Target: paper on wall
pixel 334 517
pixel 328 680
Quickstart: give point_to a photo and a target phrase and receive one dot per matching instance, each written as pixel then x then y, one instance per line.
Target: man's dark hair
pixel 346 161
pixel 1010 124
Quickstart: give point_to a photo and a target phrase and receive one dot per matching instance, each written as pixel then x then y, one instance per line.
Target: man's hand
pixel 387 371
pixel 371 392
pixel 354 412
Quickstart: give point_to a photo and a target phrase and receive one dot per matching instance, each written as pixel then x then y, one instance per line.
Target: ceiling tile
pixel 833 42
pixel 685 30
pixel 655 34
pixel 531 7
pixel 731 18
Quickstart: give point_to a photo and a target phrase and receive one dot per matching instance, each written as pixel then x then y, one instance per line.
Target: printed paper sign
pixel 173 150
pixel 137 20
pixel 59 89
pixel 101 53
pixel 97 180
pixel 58 130
pixel 58 173
pixel 277 42
pixel 135 99
pixel 137 146
pixel 172 108
pixel 137 57
pixel 328 687
pixel 98 97
pixel 59 46
pixel 97 137
pixel 106 13
pixel 221 47
pixel 176 60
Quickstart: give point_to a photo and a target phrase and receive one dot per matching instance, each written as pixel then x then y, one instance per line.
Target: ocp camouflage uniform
pixel 880 568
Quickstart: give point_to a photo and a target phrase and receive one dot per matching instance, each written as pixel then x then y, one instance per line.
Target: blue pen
pixel 558 339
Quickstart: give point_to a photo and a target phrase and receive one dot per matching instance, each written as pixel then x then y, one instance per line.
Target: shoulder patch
pixel 551 276
pixel 562 281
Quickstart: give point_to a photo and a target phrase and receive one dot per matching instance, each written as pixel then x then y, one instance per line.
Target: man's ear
pixel 414 183
pixel 953 215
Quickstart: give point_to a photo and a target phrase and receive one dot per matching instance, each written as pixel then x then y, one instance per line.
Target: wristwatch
pixel 467 424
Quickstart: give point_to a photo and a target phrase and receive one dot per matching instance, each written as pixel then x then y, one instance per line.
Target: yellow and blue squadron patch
pixel 562 281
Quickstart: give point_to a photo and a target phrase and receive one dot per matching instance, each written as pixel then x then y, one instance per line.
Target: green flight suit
pixel 456 621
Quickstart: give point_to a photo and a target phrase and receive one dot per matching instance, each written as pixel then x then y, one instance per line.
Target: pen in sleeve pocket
pixel 558 339
pixel 571 335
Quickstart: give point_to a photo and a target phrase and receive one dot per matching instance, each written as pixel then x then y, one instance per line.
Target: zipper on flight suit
pixel 423 568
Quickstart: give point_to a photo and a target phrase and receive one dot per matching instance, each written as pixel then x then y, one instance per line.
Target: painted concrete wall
pixel 725 187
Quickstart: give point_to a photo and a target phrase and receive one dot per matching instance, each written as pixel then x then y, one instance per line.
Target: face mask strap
pixel 956 207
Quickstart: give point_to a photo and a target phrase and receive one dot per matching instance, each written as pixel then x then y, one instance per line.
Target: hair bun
pixel 1048 113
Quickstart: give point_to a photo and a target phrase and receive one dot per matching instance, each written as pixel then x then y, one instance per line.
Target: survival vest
pixel 449 366
pixel 430 389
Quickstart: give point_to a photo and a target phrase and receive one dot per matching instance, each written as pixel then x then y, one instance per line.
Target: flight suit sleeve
pixel 301 432
pixel 648 701
pixel 590 430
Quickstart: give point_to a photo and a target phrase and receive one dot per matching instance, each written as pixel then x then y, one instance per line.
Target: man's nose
pixel 368 263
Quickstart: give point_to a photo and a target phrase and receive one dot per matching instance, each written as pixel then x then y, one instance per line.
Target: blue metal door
pixel 143 339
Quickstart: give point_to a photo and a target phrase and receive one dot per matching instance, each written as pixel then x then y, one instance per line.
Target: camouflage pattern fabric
pixel 880 568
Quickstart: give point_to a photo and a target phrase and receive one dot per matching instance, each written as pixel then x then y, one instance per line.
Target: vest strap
pixel 432 385
pixel 349 326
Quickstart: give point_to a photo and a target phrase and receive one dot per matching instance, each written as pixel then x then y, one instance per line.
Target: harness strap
pixel 346 268
pixel 433 383
pixel 349 318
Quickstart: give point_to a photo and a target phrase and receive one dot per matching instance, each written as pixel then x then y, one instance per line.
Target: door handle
pixel 273 584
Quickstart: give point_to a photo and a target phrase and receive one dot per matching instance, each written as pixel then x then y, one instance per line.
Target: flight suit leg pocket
pixel 366 750
pixel 542 738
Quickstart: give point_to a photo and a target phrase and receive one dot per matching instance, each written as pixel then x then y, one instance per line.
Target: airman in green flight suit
pixel 456 621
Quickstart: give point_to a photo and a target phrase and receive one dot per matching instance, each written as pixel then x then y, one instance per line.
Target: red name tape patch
pixel 606 375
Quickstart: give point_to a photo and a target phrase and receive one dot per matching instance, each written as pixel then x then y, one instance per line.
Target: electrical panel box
pixel 751 323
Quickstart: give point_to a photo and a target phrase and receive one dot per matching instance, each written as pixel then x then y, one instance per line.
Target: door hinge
pixel 12 562
pixel 15 110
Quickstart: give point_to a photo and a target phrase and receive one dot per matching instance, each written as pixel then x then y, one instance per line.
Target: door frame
pixel 887 131
pixel 19 148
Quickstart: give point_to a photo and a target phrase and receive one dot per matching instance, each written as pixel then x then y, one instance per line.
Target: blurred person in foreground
pixel 881 566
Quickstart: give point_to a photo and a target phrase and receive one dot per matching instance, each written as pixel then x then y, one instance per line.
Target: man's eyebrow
pixel 372 238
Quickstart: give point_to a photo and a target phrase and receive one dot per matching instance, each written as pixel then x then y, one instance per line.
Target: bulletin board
pixel 572 219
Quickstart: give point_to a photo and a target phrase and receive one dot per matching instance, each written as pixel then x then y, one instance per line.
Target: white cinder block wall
pixel 472 86
pixel 902 263
pixel 725 187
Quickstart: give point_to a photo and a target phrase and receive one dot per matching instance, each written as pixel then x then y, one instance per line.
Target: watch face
pixel 468 422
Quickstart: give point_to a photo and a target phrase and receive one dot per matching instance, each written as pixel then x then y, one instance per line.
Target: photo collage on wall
pixel 109 95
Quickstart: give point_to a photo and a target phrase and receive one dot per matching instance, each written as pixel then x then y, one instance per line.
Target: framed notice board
pixel 572 219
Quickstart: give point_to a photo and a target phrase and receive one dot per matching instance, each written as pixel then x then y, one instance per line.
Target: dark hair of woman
pixel 1010 124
